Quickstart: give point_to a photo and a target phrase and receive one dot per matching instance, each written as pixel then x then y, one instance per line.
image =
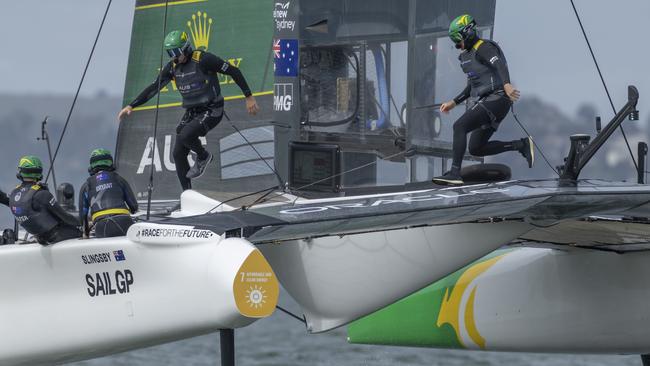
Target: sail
pixel 239 32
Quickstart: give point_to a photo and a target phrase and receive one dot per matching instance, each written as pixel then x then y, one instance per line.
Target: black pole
pixel 227 340
pixel 16 228
pixel 642 152
pixel 45 136
pixel 155 123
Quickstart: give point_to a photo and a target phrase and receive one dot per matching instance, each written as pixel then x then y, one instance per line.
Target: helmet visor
pixel 175 52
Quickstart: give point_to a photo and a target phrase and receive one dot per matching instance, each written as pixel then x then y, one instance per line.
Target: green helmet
pixel 177 43
pixel 100 158
pixel 462 28
pixel 30 167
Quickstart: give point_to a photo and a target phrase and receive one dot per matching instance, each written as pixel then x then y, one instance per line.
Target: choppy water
pixel 283 341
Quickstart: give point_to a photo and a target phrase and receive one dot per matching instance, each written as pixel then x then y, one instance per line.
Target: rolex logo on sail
pixel 200 27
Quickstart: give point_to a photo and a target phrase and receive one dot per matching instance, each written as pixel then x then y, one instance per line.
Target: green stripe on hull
pixel 431 316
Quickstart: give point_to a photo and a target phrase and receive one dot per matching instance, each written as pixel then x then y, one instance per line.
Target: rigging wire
pixel 536 145
pixel 302 320
pixel 602 79
pixel 330 177
pixel 74 101
pixel 155 123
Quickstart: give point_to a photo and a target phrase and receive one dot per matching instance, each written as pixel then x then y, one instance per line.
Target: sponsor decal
pixel 103 187
pixel 256 287
pixel 286 62
pixel 18 195
pixel 119 255
pixel 494 59
pixel 109 283
pixel 200 28
pixel 457 309
pixel 281 15
pixel 389 201
pixel 282 97
pixel 151 155
pixel 94 258
pixel 174 233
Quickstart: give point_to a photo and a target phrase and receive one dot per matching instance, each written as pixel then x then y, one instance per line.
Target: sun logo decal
pixel 256 297
pixel 255 287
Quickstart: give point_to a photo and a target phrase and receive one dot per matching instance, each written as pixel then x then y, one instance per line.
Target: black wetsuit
pixel 40 214
pixel 4 200
pixel 487 72
pixel 108 199
pixel 198 84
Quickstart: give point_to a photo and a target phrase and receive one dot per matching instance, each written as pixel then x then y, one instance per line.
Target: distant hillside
pixel 94 124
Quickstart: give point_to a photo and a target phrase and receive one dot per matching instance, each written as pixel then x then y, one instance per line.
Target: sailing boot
pixel 199 167
pixel 450 178
pixel 527 150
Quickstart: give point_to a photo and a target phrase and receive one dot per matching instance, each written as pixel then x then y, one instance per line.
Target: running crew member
pixel 36 209
pixel 106 197
pixel 195 74
pixel 491 96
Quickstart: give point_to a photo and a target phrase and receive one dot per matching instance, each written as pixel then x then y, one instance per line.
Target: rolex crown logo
pixel 200 27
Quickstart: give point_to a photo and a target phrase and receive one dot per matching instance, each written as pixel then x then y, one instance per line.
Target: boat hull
pixel 81 299
pixel 526 300
pixel 339 279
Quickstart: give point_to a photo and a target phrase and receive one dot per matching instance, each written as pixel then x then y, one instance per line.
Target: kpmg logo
pixel 282 97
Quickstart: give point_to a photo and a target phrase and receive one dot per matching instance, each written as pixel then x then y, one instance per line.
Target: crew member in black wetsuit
pixel 491 96
pixel 195 74
pixel 36 209
pixel 106 197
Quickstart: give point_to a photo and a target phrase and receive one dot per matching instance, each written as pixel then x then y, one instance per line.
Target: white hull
pixel 86 298
pixel 339 279
pixel 543 300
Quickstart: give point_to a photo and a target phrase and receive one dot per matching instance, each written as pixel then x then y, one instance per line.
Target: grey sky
pixel 542 41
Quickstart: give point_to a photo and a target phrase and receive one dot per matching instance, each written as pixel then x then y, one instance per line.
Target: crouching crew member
pixel 36 209
pixel 106 197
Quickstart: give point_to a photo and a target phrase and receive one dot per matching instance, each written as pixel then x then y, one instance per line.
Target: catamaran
pixel 327 193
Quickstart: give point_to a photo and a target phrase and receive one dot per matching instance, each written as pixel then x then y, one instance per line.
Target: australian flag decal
pixel 119 255
pixel 285 55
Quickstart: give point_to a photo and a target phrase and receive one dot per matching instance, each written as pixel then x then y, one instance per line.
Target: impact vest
pixel 105 195
pixel 483 79
pixel 35 222
pixel 197 88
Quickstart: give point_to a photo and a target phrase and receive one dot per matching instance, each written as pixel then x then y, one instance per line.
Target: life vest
pixel 34 221
pixel 105 195
pixel 197 88
pixel 484 80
